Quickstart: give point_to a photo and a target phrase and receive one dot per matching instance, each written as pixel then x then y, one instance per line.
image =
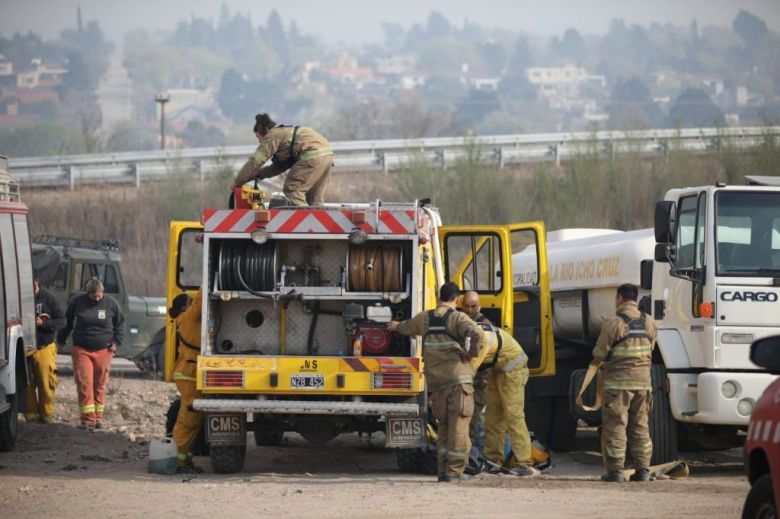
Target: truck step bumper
pixel 305 407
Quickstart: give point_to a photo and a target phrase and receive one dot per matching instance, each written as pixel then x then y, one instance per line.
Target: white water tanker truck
pixel 710 275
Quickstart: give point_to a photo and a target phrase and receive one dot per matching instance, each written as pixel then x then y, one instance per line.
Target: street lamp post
pixel 162 98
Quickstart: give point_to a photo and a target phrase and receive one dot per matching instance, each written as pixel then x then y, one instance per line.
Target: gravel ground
pixel 58 470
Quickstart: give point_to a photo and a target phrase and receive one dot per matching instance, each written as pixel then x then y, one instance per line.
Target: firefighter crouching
pixel 303 151
pixel 625 348
pixel 449 376
pixel 187 313
pixel 508 365
pixel 49 317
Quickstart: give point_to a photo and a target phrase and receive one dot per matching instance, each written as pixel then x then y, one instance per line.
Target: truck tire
pixel 268 438
pixel 539 417
pixel 407 460
pixel 421 460
pixel 663 427
pixel 199 447
pixel 9 425
pixel 564 426
pixel 760 501
pixel 227 459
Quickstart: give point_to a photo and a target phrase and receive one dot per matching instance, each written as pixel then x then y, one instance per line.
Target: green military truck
pixel 66 264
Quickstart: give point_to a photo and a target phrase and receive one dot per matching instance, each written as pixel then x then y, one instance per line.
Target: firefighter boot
pixel 613 476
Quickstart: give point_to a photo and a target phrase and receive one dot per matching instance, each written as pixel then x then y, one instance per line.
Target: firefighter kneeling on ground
pixel 187 313
pixel 449 376
pixel 505 413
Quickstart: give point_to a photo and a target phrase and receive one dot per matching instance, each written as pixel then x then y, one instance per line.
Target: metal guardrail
pixel 382 155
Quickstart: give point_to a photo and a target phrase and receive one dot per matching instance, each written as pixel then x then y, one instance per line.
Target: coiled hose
pixel 375 269
pixel 247 266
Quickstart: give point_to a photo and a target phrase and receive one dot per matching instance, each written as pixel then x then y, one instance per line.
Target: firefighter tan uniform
pixel 309 160
pixel 625 347
pixel 480 398
pixel 505 411
pixel 449 378
pixel 188 422
pixel 43 362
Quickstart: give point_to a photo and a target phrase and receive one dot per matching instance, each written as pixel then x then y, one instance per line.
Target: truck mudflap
pixel 226 428
pixel 214 405
pixel 406 432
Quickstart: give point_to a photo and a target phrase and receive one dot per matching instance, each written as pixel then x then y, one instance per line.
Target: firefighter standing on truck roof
pixel 303 151
pixel 505 413
pixel 187 313
pixel 625 347
pixel 49 317
pixel 470 305
pixel 449 376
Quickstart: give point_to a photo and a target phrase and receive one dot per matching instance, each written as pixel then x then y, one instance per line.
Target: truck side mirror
pixel 766 353
pixel 665 215
pixel 665 253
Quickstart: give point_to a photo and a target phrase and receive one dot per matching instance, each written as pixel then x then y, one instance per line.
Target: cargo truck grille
pixel 387 380
pixel 223 379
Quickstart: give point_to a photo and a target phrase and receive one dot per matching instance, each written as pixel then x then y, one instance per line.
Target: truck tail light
pixel 223 379
pixel 392 381
pixel 706 309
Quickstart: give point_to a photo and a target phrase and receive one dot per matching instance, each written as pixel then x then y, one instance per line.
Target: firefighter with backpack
pixel 624 350
pixel 449 376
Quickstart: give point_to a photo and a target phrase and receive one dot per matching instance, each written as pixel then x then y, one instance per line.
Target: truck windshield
pixel 748 233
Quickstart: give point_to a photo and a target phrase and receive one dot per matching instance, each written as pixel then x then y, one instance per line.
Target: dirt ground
pixel 58 470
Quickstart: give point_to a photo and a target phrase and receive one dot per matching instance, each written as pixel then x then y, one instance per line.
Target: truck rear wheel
pixel 268 438
pixel 9 425
pixel 549 418
pixel 760 501
pixel 227 459
pixel 663 428
pixel 418 460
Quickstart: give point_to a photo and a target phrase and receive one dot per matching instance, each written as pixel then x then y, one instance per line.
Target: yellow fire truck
pixel 296 302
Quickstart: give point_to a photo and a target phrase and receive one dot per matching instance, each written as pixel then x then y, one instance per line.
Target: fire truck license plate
pixel 307 381
pixel 404 432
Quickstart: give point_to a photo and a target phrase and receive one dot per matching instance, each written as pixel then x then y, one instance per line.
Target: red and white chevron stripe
pixel 305 220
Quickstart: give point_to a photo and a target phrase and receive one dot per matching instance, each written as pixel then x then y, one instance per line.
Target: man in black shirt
pixel 97 324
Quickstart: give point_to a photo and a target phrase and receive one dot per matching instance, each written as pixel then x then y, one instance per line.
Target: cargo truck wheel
pixel 9 425
pixel 760 502
pixel 418 461
pixel 564 426
pixel 227 459
pixel 407 460
pixel 663 428
pixel 268 438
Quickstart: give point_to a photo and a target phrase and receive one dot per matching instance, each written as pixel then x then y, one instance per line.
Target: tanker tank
pixel 585 267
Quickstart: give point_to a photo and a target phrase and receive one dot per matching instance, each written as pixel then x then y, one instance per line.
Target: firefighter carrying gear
pixel 40 392
pixel 303 151
pixel 188 421
pixel 449 378
pixel 505 411
pixel 624 348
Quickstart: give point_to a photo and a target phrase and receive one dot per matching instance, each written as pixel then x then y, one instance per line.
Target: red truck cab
pixel 762 446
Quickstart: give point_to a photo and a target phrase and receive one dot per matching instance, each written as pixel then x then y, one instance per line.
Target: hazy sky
pixel 358 21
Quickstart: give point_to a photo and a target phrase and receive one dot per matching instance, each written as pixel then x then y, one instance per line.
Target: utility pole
pixel 162 98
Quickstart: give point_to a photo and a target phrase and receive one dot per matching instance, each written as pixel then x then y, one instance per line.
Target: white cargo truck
pixel 710 275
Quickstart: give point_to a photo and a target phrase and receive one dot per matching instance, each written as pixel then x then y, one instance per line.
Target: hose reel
pixel 374 269
pixel 245 265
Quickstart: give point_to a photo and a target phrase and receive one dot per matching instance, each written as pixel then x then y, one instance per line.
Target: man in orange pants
pixel 98 327
pixel 187 313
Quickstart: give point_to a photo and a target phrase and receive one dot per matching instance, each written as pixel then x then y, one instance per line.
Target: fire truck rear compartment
pixel 309 296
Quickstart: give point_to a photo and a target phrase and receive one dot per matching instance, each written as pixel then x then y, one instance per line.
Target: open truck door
pixel 516 296
pixel 184 276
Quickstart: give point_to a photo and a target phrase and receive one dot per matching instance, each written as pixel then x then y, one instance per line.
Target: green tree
pixel 438 26
pixel 277 36
pixel 750 28
pixel 631 107
pixel 571 46
pixel 693 108
pixel 198 135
